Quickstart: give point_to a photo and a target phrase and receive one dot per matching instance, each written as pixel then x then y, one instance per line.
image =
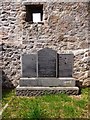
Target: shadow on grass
pixel 7 95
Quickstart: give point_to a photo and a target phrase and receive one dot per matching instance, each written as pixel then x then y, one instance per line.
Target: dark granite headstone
pixel 65 65
pixel 29 65
pixel 47 63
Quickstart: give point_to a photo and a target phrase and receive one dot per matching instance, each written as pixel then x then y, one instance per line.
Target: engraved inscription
pixel 65 65
pixel 47 63
pixel 29 65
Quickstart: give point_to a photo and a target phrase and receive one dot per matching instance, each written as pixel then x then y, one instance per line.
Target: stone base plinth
pixel 36 91
pixel 47 82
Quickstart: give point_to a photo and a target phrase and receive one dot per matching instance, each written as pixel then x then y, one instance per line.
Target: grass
pixel 7 95
pixel 47 106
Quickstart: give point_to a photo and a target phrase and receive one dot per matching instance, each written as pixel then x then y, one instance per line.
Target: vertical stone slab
pixel 47 63
pixel 0 84
pixel 29 65
pixel 65 65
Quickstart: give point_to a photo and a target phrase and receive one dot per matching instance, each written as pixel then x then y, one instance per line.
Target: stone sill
pixel 36 22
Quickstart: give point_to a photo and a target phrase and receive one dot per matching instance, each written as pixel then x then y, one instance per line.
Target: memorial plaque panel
pixel 47 63
pixel 29 65
pixel 66 65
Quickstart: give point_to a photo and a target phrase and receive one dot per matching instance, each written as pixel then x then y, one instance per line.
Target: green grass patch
pixel 48 106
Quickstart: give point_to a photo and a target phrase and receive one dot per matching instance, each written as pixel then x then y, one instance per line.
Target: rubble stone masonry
pixel 65 28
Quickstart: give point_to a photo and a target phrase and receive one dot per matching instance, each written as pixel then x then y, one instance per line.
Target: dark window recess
pixel 32 10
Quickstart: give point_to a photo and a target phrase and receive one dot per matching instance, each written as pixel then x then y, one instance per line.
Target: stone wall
pixel 65 28
pixel 11 43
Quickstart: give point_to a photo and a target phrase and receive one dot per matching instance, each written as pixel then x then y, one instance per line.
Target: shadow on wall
pixel 6 83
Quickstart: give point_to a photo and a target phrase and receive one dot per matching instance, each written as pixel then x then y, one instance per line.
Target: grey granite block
pixel 28 82
pixel 46 82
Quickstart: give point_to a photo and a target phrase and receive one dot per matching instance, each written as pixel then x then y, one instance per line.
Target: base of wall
pixel 36 91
